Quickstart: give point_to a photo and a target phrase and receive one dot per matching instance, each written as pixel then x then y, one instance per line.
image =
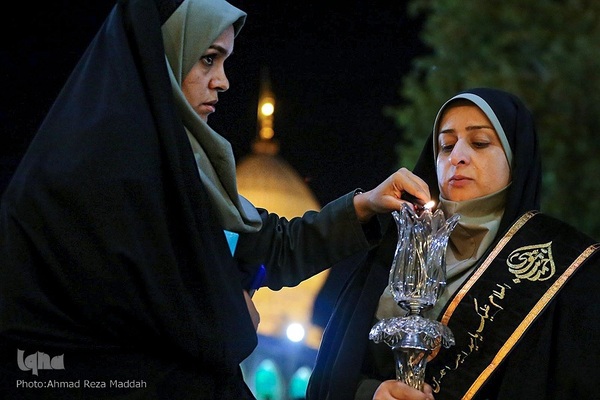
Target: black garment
pixel 115 271
pixel 107 198
pixel 554 360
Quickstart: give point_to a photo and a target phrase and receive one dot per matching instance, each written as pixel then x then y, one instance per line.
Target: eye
pixel 208 59
pixel 446 142
pixel 446 147
pixel 480 145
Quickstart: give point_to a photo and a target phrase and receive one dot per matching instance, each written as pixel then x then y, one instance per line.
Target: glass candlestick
pixel 417 280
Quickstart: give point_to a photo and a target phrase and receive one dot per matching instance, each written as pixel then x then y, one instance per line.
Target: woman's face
pixel 471 162
pixel 201 86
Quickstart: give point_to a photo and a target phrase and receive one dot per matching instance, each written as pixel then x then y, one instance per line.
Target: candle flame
pixel 429 205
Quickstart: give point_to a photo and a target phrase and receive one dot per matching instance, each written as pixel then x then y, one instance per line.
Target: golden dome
pixel 269 182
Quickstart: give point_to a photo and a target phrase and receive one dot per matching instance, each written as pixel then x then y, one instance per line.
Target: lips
pixel 459 180
pixel 209 106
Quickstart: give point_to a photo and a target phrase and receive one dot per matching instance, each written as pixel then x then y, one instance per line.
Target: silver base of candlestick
pixel 412 339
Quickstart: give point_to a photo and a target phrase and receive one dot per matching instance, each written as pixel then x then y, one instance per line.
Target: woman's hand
pixel 386 196
pixel 396 390
pixel 252 309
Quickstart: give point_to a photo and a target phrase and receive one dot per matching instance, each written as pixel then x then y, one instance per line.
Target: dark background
pixel 332 71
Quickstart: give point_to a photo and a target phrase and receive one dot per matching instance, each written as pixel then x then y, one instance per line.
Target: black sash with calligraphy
pixel 494 308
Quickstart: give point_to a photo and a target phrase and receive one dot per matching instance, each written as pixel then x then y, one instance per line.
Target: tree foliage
pixel 545 51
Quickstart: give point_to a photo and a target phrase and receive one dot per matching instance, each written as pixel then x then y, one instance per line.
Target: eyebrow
pixel 218 48
pixel 469 128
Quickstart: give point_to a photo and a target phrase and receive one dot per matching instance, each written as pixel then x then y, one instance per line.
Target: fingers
pixel 403 186
pixel 428 390
pixel 388 196
pixel 412 187
pixel 394 389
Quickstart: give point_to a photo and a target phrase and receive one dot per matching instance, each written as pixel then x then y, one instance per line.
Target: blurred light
pixel 267 108
pixel 267 380
pixel 295 332
pixel 267 133
pixel 299 383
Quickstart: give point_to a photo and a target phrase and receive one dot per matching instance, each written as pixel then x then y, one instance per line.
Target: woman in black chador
pixel 519 282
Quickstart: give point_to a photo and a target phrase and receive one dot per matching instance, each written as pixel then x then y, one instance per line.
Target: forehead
pixel 467 114
pixel 462 107
pixel 472 98
pixel 224 42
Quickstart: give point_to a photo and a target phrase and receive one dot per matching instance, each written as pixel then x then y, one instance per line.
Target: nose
pixel 219 81
pixel 460 153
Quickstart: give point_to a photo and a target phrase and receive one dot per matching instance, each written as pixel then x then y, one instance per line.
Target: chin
pixel 458 195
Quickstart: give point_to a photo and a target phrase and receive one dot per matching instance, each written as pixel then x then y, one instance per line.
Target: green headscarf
pixel 187 33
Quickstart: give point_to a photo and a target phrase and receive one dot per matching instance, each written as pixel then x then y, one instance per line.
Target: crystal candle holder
pixel 417 280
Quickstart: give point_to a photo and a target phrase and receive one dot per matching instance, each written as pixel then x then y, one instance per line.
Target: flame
pixel 429 205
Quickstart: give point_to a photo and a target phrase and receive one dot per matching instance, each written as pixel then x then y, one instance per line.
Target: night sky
pixel 332 71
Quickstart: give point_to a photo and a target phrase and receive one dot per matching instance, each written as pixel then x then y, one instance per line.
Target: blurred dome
pixel 269 182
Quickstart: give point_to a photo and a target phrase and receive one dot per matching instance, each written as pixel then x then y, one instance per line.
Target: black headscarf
pixel 108 238
pixel 517 122
pixel 345 341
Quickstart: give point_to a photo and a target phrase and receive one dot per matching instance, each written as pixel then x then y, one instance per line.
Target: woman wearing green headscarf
pixel 117 279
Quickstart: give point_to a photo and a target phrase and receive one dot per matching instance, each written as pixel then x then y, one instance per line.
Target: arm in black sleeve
pixel 296 249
